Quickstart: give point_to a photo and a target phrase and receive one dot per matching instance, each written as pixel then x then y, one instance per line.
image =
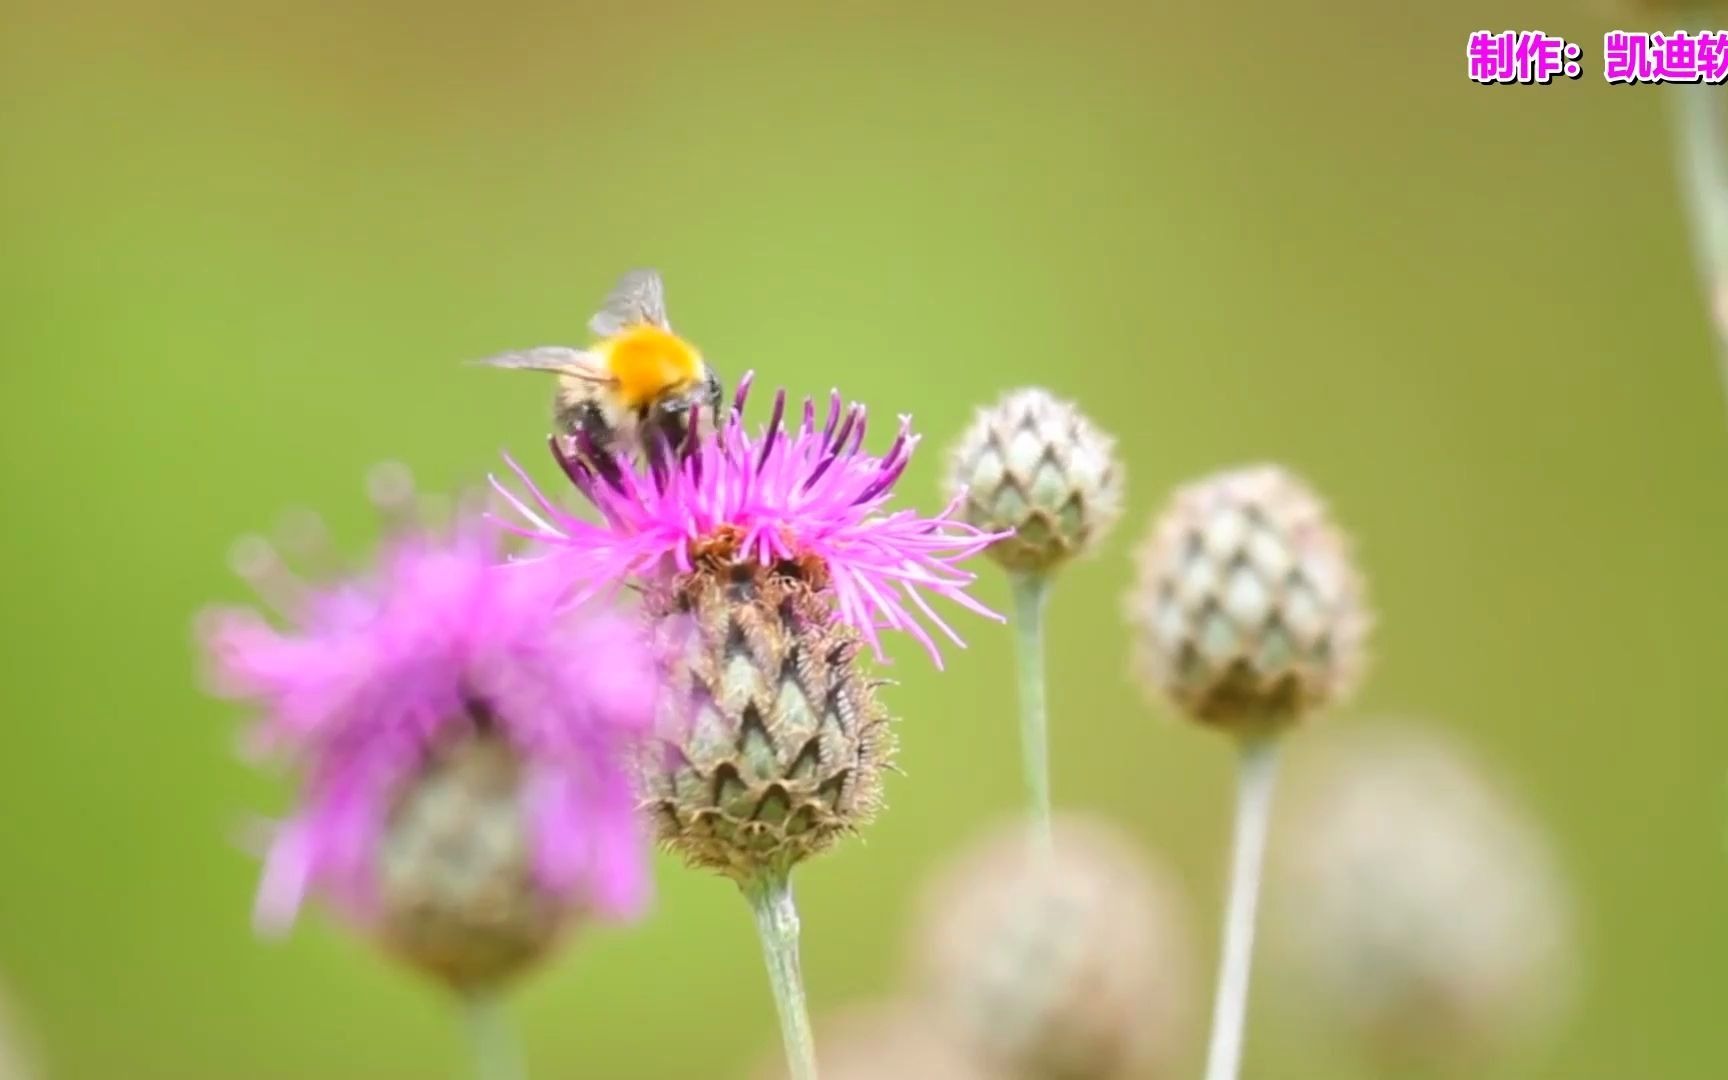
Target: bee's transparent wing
pixel 555 358
pixel 639 297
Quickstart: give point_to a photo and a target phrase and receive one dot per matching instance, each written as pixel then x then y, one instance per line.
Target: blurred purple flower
pixel 808 495
pixel 438 641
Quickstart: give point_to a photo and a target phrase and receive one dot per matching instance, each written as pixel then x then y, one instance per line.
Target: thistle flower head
pixel 772 741
pixel 1420 907
pixel 1247 612
pixel 802 497
pixel 767 559
pixel 1063 963
pixel 461 731
pixel 1035 468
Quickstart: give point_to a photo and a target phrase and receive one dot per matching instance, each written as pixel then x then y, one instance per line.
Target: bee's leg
pixel 567 416
pixel 594 439
pixel 712 391
pixel 583 421
pixel 598 432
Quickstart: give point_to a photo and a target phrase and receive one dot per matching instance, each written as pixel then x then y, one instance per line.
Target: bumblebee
pixel 639 382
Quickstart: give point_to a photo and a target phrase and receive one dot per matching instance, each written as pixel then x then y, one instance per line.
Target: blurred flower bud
pixel 1418 905
pixel 776 742
pixel 17 1058
pixel 1062 963
pixel 464 736
pixel 887 1041
pixel 1247 612
pixel 1036 465
pixel 457 892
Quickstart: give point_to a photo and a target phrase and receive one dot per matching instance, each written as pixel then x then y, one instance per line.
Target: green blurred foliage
pixel 245 248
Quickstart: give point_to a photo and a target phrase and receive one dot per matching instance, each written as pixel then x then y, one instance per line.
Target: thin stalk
pixel 1030 592
pixel 1702 142
pixel 1256 771
pixel 496 1054
pixel 770 896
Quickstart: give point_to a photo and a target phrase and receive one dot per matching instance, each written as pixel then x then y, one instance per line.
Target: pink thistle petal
pixel 782 492
pixel 287 875
pixel 377 672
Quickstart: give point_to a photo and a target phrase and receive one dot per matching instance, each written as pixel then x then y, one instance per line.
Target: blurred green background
pixel 246 247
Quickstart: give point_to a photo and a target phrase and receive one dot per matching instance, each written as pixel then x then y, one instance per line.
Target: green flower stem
pixel 496 1053
pixel 1703 165
pixel 770 896
pixel 1256 771
pixel 1030 592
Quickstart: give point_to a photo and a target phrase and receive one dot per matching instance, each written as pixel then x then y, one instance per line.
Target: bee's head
pixel 650 365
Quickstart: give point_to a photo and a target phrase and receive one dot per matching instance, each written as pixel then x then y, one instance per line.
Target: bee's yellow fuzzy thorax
pixel 647 362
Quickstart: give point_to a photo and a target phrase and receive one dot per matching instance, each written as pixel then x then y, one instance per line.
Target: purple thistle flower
pixel 808 495
pixel 380 675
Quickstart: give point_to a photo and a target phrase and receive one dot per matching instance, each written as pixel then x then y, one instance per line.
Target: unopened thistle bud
pixel 1418 906
pixel 1035 468
pixel 1066 961
pixel 464 734
pixel 769 562
pixel 1247 612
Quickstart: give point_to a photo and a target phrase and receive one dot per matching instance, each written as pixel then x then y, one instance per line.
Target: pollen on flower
pixel 718 548
pixel 648 361
pixel 720 551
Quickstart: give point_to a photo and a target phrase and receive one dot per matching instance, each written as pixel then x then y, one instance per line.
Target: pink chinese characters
pixel 1679 57
pixel 1520 57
